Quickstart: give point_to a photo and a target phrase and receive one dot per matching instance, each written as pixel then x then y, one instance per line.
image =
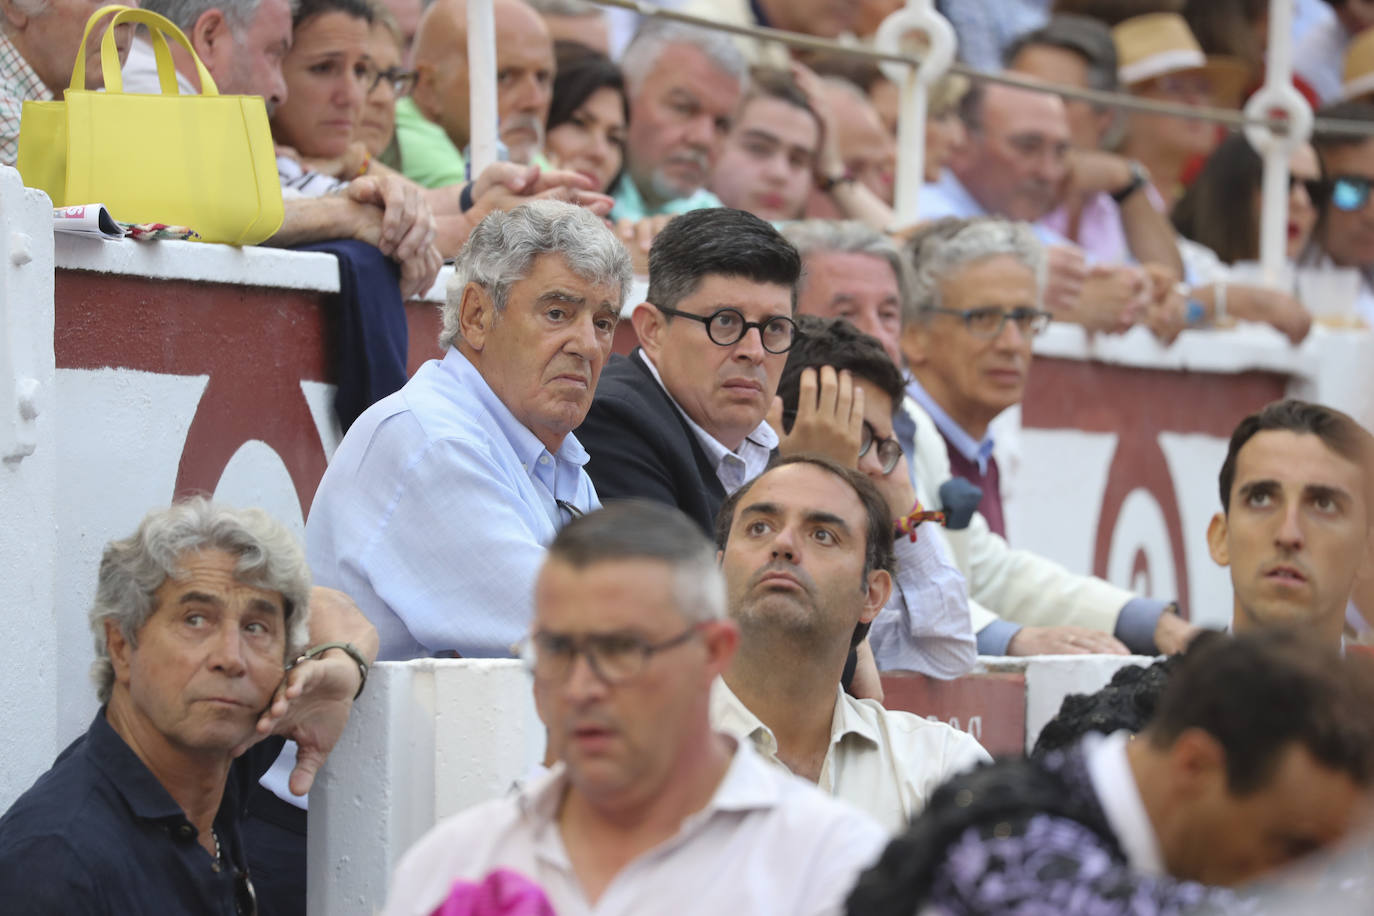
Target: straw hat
pixel 1359 66
pixel 1158 44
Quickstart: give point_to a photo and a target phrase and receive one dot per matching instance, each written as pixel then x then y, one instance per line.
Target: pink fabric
pixel 501 893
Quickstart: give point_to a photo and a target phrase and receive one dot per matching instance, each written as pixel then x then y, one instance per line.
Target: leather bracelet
pixel 347 648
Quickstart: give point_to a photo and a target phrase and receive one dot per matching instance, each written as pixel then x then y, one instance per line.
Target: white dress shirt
pixel 767 844
pixel 884 762
pixel 1112 779
pixel 734 468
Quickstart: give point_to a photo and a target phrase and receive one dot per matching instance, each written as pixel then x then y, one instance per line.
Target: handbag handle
pixel 158 27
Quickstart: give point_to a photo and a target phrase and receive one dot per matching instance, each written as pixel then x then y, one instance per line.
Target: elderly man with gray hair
pixel 197 619
pixel 435 511
pixel 976 303
pixel 684 84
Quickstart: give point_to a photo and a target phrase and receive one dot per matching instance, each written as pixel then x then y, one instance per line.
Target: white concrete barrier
pixel 29 678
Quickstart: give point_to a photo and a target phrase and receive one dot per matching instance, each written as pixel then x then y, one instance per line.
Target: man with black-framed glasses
pixel 649 809
pixel 681 420
pixel 972 309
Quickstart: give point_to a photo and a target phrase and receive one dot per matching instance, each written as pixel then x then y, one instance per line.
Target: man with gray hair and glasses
pixel 649 809
pixel 435 511
pixel 201 620
pixel 976 304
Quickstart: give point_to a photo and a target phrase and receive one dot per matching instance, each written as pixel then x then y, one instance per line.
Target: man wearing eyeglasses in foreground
pixel 649 809
pixel 974 308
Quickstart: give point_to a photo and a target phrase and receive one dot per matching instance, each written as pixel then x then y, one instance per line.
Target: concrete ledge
pixel 173 260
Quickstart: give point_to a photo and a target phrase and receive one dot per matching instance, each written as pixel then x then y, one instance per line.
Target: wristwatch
pixel 1139 179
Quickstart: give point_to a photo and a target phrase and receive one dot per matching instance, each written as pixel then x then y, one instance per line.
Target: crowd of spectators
pixel 798 456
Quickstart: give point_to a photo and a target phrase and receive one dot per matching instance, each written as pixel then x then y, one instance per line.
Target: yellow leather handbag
pixel 204 161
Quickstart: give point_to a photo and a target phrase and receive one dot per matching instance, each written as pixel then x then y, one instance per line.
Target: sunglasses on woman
pixel 1348 192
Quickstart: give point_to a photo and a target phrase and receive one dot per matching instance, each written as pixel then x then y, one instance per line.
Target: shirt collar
pixel 111 755
pixel 762 437
pixel 953 189
pixel 1109 770
pixel 747 785
pixel 526 444
pixel 18 79
pixel 972 449
pixel 729 713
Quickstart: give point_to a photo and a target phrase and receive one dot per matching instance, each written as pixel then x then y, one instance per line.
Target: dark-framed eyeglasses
pixel 400 79
pixel 889 449
pixel 1349 192
pixel 614 657
pixel 726 326
pixel 245 895
pixel 574 513
pixel 988 321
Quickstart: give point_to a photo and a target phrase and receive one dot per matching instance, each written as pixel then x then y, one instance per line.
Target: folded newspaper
pixel 87 219
pixel 95 220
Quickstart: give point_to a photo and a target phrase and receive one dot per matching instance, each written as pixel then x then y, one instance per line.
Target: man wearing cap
pixel 1319 55
pixel 1160 60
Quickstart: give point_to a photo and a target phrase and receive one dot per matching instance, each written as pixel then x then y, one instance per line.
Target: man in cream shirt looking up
pixel 807 550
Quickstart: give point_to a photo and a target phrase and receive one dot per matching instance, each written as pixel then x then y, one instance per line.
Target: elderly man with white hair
pixel 684 84
pixel 435 511
pixel 197 619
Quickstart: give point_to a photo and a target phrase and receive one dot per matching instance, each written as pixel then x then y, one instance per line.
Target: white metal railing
pixel 1276 120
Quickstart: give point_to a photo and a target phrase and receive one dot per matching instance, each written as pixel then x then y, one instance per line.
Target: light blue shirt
pixel 630 204
pixel 435 513
pixel 971 448
pixel 949 197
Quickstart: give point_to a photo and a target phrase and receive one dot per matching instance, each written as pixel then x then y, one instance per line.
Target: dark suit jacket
pixel 641 447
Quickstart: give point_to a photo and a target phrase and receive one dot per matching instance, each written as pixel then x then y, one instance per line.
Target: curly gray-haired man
pixel 436 508
pixel 195 619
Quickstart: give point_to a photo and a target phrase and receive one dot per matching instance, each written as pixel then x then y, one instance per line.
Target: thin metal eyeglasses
pixel 987 322
pixel 401 80
pixel 889 449
pixel 615 658
pixel 726 326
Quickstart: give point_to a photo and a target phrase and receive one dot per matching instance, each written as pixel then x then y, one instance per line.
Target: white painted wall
pixel 28 487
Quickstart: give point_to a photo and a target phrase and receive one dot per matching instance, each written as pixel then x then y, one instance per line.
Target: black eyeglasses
pixel 987 322
pixel 245 896
pixel 614 657
pixel 574 513
pixel 400 80
pixel 1349 192
pixel 889 449
pixel 727 326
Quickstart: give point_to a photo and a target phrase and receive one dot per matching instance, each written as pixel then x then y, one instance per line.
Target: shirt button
pixel 186 831
pixel 543 459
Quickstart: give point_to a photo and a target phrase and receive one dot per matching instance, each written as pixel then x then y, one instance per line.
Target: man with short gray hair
pixel 649 809
pixel 435 511
pixel 201 621
pixel 683 84
pixel 976 303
